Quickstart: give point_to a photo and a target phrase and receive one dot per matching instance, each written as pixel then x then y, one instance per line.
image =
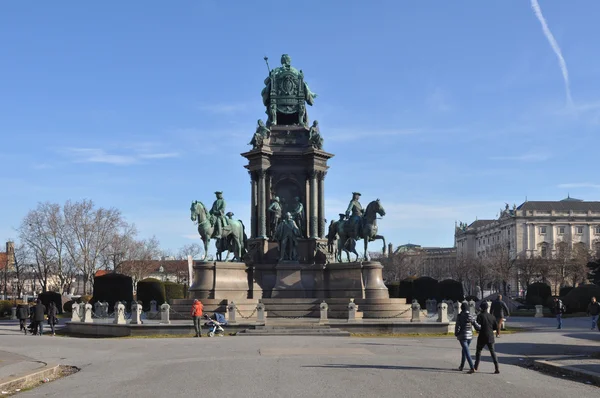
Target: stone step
pixel 293 331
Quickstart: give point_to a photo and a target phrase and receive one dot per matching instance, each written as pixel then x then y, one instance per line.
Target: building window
pixel 544 251
pixel 561 230
pixel 579 230
pixel 597 230
pixel 542 230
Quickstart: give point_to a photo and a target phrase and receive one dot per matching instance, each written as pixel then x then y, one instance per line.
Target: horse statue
pixel 367 231
pixel 349 246
pixel 233 236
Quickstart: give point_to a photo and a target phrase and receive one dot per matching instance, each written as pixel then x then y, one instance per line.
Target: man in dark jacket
pixel 559 309
pixel 22 315
pixel 486 335
pixel 593 310
pixel 500 311
pixel 38 317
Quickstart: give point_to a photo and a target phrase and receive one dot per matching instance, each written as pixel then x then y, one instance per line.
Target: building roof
pixel 561 205
pixel 480 223
pixel 102 272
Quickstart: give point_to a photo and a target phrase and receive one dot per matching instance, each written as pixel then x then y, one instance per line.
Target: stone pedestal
pixel 136 313
pixel 539 311
pixel 372 273
pixel 344 280
pixel 416 312
pixel 98 309
pixel 472 307
pixel 261 314
pixel 13 313
pixel 87 315
pixel 442 312
pixel 352 310
pixel 164 313
pixel 219 280
pixel 119 314
pixel 323 312
pixel 288 281
pixel 75 313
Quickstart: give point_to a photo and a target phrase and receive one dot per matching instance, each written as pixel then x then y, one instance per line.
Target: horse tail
pixel 244 237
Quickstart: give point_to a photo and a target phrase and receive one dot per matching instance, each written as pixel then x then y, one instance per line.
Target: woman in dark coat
pixel 22 315
pixel 52 311
pixel 463 330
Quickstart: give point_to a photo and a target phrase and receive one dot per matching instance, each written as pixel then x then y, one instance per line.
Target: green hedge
pixel 393 289
pixel 68 306
pixel 578 299
pixel 426 288
pixel 174 291
pixel 565 290
pixel 406 289
pixel 151 289
pixel 5 307
pixel 112 288
pixel 539 290
pixel 48 297
pixel 451 290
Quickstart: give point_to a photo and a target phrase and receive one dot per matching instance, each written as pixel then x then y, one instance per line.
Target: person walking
pixel 23 315
pixel 559 309
pixel 52 312
pixel 593 310
pixel 463 330
pixel 500 311
pixel 487 324
pixel 39 315
pixel 197 308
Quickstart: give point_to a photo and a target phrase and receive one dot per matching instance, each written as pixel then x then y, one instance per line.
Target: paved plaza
pixel 301 366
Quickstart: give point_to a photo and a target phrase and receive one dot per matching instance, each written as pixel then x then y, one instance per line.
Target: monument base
pixel 219 280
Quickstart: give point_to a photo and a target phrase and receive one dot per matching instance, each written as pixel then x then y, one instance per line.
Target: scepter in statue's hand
pixel 267 62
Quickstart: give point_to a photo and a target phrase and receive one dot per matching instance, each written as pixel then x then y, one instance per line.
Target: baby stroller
pixel 215 324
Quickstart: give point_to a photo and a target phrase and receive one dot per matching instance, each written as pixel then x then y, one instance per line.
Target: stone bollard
pixel 75 313
pixel 13 313
pixel 87 315
pixel 231 309
pixel 164 313
pixel 456 308
pixel 136 313
pixel 119 314
pixel 442 312
pixel 472 307
pixel 352 311
pixel 98 309
pixel 489 308
pixel 432 305
pixel 539 311
pixel 416 311
pixel 153 306
pixel 324 307
pixel 261 314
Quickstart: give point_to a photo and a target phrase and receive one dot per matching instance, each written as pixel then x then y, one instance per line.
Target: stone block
pixel 261 314
pixel 87 315
pixel 119 314
pixel 75 313
pixel 231 313
pixel 442 312
pixel 136 313
pixel 539 311
pixel 416 312
pixel 164 313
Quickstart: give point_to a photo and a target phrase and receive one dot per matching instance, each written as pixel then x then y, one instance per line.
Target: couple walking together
pixel 485 324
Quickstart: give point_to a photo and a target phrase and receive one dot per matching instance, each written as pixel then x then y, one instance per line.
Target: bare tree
pixel 576 269
pixel 463 272
pixel 22 262
pixel 121 246
pixel 401 265
pixel 90 230
pixel 502 263
pixel 142 261
pixel 482 274
pixel 33 233
pixel 192 249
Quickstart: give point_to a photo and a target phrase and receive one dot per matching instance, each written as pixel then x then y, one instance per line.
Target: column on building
pixel 262 205
pixel 313 208
pixel 551 242
pixel 321 215
pixel 590 237
pixel 253 208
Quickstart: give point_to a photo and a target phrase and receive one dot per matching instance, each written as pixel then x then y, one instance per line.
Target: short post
pixel 472 307
pixel 164 313
pixel 75 313
pixel 87 315
pixel 261 314
pixel 456 307
pixel 136 313
pixel 231 309
pixel 489 308
pixel 324 307
pixel 119 314
pixel 352 311
pixel 153 306
pixel 539 311
pixel 104 309
pixel 13 313
pixel 442 312
pixel 416 311
pixel 98 309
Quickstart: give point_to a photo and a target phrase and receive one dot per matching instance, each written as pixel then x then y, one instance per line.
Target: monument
pixel 290 257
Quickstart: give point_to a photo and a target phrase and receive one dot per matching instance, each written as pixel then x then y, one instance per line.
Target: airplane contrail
pixel 555 47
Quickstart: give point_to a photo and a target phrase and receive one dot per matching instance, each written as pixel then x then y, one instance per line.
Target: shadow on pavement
pixel 547 349
pixel 585 336
pixel 388 367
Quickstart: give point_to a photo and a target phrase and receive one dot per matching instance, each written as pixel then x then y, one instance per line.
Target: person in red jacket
pixel 197 308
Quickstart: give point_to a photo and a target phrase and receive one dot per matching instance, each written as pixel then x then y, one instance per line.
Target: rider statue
pixel 287 235
pixel 262 133
pixel 298 214
pixel 314 136
pixel 275 212
pixel 218 212
pixel 355 213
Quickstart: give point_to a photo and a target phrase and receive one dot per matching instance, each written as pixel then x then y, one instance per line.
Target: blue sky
pixel 443 110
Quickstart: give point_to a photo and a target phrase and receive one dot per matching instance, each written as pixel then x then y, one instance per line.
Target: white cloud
pixel 579 185
pixel 526 157
pixel 98 155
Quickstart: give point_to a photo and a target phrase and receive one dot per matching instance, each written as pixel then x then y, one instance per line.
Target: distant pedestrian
pixel 52 312
pixel 500 311
pixel 593 310
pixel 39 315
pixel 23 315
pixel 487 324
pixel 197 308
pixel 463 330
pixel 559 310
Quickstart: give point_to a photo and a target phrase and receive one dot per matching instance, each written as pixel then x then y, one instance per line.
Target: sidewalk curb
pixel 570 370
pixel 13 382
